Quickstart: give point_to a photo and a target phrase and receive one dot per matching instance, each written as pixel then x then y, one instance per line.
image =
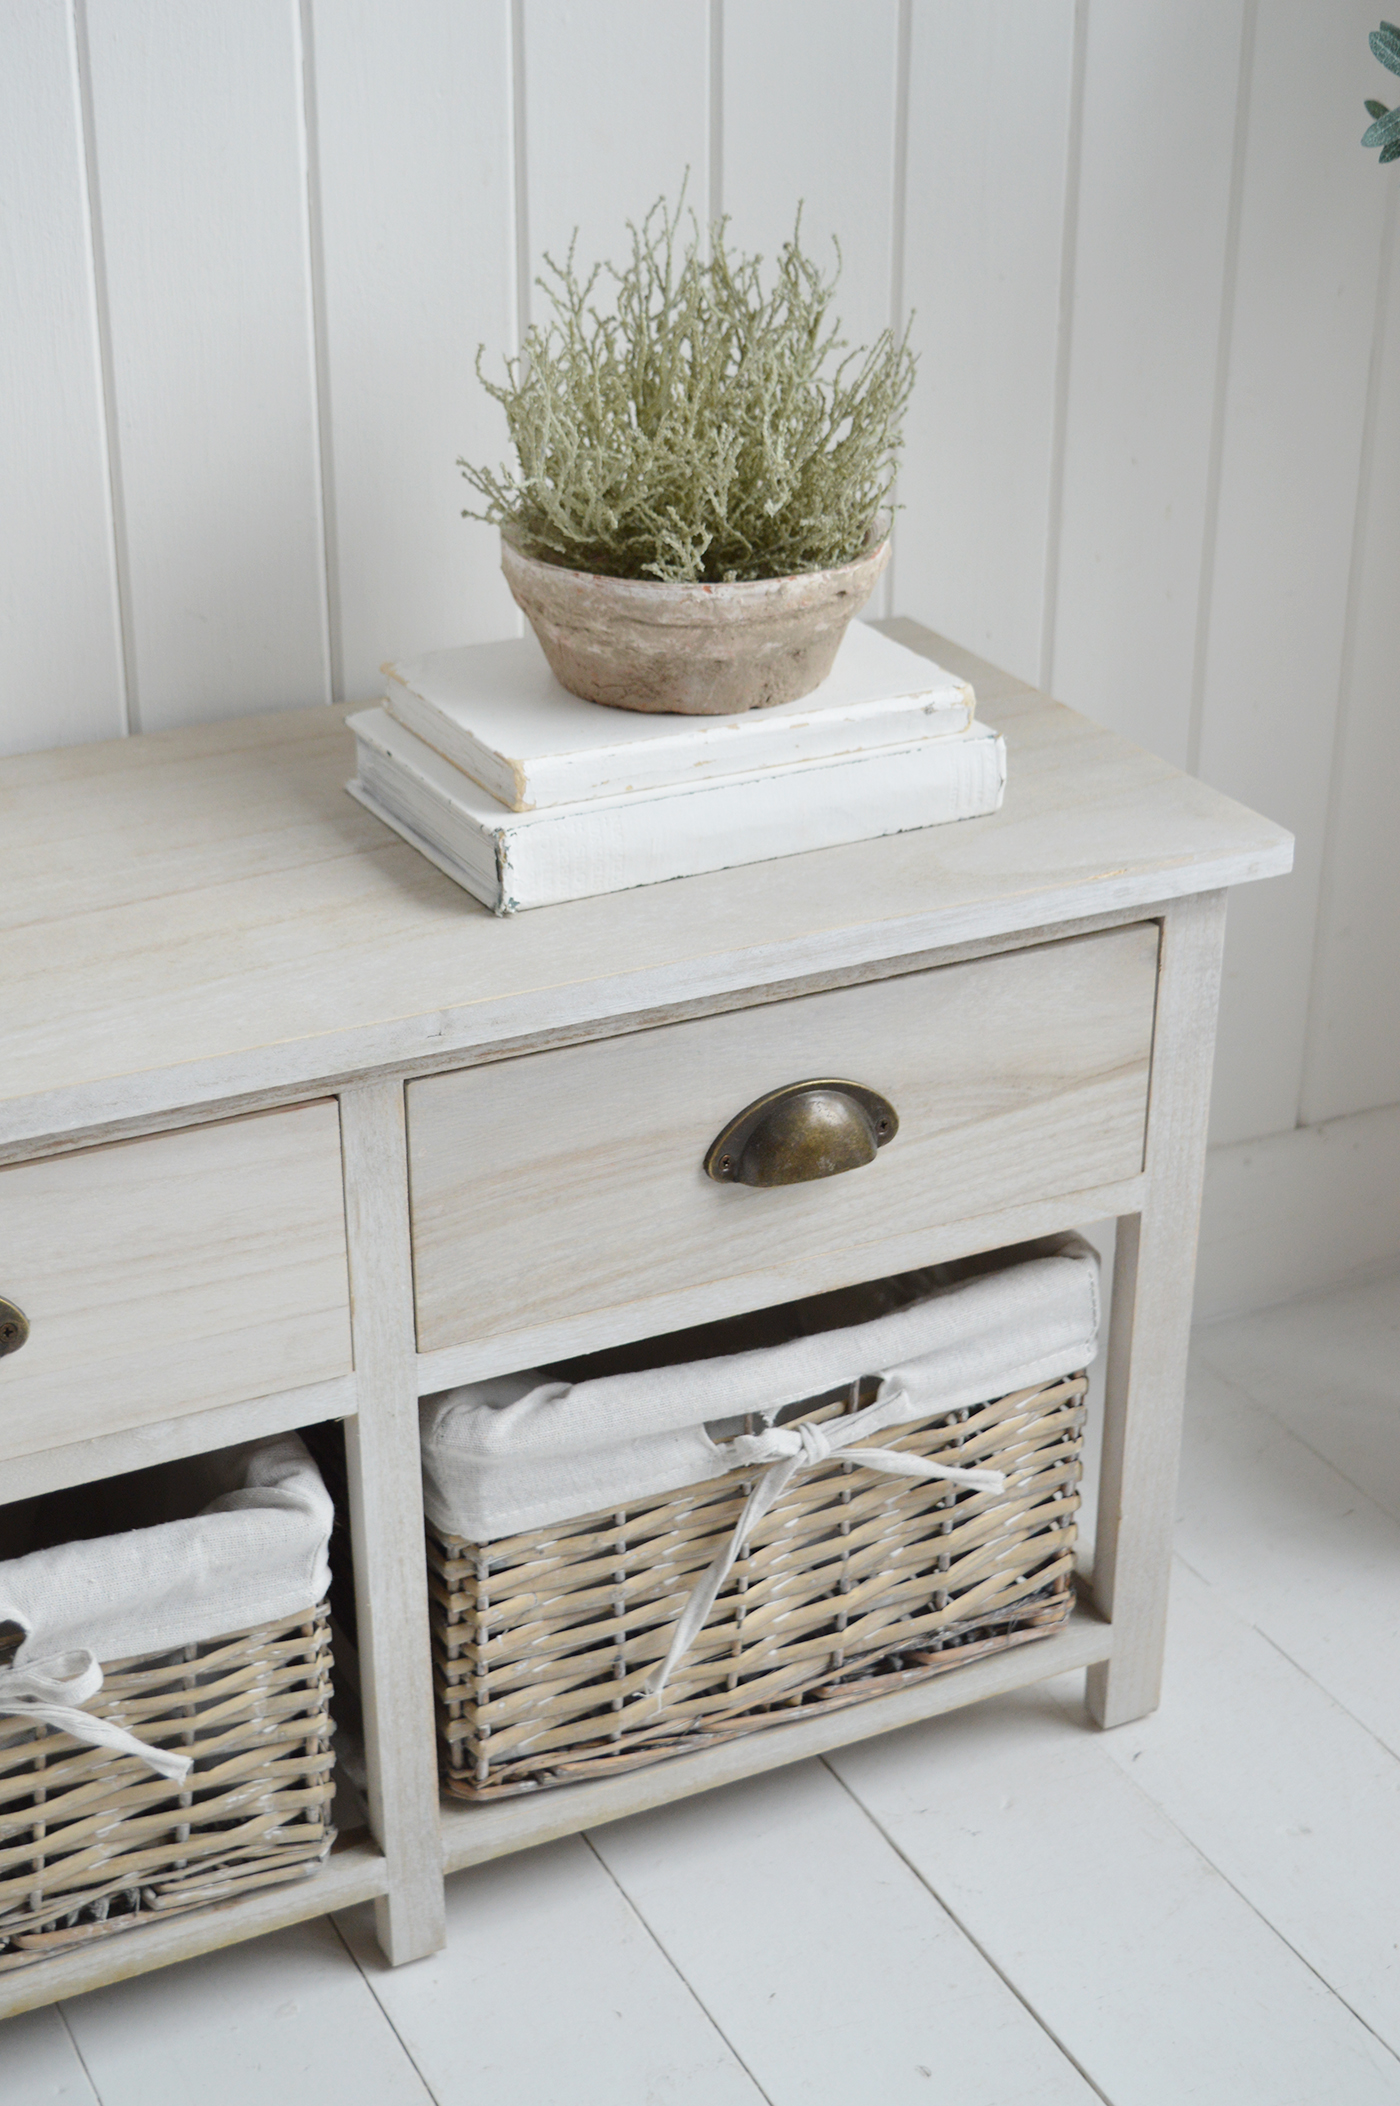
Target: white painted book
pixel 497 712
pixel 513 860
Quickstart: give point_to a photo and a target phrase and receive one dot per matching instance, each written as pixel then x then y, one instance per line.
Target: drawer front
pixel 570 1183
pixel 169 1274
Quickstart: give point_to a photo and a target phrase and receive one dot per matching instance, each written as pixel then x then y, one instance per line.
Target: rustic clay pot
pixel 691 650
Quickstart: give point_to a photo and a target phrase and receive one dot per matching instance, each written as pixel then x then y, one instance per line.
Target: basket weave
pixel 855 1583
pixel 93 1842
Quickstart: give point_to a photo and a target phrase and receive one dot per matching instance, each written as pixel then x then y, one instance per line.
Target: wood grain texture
pixel 473 1834
pixel 412 137
pixel 1154 1272
pixel 898 1251
pixel 200 157
pixel 1149 279
pixel 222 880
pixel 1304 311
pixel 571 1182
pixel 196 1433
pixel 984 238
pixel 63 678
pixel 173 1275
pixel 386 1524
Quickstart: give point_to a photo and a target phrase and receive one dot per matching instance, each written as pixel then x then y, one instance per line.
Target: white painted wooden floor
pixel 1001 1908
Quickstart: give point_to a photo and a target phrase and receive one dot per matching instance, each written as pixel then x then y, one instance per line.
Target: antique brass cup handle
pixel 807 1130
pixel 14 1327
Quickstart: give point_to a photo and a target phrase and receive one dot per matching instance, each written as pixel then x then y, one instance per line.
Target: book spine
pixel 485 890
pixel 756 819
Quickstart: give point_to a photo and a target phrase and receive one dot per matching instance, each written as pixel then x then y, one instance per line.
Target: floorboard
pixel 827 1963
pixel 1294 1547
pixel 1292 1801
pixel 286 2017
pixel 551 1992
pixel 39 2065
pixel 1143 1962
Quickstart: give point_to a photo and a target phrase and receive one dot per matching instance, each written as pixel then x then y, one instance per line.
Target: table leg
pixel 386 1523
pixel 1154 1276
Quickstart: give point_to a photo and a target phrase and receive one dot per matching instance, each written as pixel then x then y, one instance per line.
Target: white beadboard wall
pixel 248 253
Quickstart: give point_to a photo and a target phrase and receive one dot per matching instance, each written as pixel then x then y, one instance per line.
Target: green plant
pixel 706 429
pixel 1384 129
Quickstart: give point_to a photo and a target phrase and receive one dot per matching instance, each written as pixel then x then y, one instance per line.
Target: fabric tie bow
pixel 787 1450
pixel 50 1693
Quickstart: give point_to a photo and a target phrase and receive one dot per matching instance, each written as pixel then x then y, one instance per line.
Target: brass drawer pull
pixel 807 1130
pixel 14 1327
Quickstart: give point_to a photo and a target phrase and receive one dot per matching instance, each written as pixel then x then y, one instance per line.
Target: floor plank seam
pixel 1330 1695
pixel 1247 1396
pixel 1332 1698
pixel 689 1987
pixel 1329 1988
pixel 385 2013
pixel 82 2064
pixel 955 1919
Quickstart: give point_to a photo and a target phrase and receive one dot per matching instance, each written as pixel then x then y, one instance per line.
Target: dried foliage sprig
pixel 704 429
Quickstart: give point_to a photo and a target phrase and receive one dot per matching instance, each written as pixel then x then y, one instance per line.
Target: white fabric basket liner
pixel 252 1550
pixel 523 1451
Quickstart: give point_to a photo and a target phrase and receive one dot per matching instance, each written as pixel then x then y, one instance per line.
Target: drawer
pixel 165 1275
pixel 569 1184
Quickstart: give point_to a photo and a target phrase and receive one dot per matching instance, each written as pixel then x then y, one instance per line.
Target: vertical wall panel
pixel 60 646
pixel 1354 1042
pixel 809 114
pixel 1160 92
pixel 989 114
pixel 1305 292
pixel 616 110
pixel 413 145
pixel 197 110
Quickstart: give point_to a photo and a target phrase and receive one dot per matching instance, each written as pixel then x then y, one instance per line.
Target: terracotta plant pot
pixel 690 650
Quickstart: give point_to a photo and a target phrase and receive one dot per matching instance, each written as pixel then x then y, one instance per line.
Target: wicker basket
pixel 92 1842
pixel 855 1583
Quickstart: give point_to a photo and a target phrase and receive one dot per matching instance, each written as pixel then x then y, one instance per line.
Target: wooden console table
pixel 292 1130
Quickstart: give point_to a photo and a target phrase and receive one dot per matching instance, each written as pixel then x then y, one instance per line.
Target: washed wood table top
pixel 203 916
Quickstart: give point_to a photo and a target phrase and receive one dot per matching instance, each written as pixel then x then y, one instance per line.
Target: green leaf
pixel 1385 44
pixel 1383 130
pixel 1392 152
pixel 1374 108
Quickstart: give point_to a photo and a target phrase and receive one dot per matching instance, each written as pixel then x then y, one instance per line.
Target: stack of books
pixel 528 796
